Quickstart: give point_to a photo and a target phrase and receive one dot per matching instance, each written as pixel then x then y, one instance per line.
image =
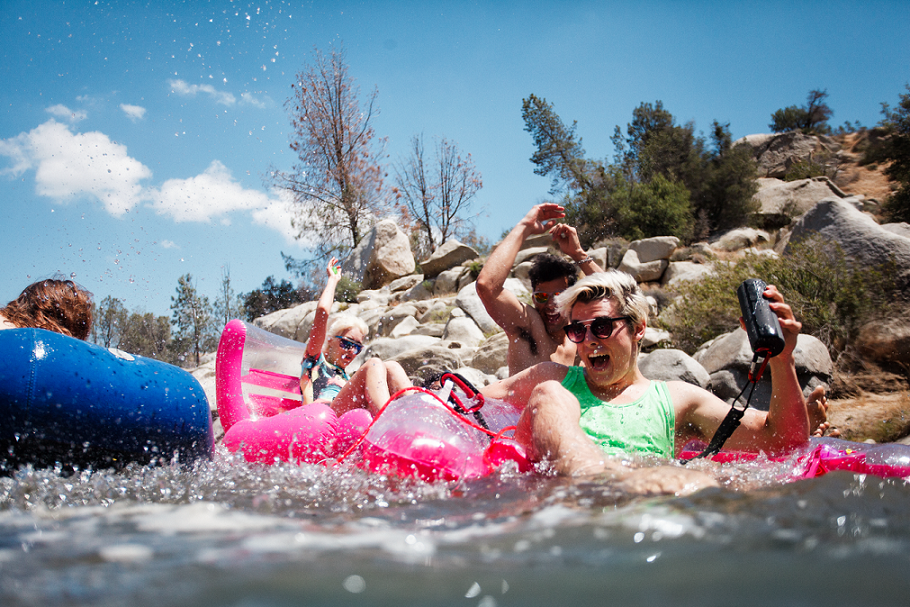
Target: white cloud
pixel 248 99
pixel 72 165
pixel 133 112
pixel 64 113
pixel 183 89
pixel 210 194
pixel 278 215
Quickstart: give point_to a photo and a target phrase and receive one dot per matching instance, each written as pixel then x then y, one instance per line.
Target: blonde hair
pixel 343 322
pixel 612 284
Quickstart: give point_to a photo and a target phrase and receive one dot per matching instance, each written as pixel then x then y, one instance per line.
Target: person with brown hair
pixel 56 305
pixel 534 330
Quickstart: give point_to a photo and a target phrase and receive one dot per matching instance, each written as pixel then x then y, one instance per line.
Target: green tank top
pixel 647 425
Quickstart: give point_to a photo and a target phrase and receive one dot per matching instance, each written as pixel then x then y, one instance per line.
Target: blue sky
pixel 134 136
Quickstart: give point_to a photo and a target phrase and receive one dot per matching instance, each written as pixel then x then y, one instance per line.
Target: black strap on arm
pixel 733 418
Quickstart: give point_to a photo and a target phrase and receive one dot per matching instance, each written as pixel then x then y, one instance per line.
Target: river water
pixel 228 533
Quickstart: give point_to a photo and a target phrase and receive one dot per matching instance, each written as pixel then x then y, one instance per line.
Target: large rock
pixel 642 272
pixel 793 198
pixel 886 341
pixel 405 327
pixel 528 255
pixel 776 153
pixel 732 351
pixel 492 354
pixel 421 363
pixel 684 271
pixel 613 251
pixel 422 291
pixel 388 348
pixel 469 301
pixel 728 357
pixel 863 241
pixel 464 330
pixel 450 254
pixel 653 249
pixel 383 255
pixel 447 281
pixel 394 316
pixel 673 365
pixel 741 238
pixel 405 283
pixel 293 323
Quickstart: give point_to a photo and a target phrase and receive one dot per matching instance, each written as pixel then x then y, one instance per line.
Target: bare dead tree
pixel 438 193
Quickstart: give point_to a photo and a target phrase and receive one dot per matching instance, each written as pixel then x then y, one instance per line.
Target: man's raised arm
pixel 501 304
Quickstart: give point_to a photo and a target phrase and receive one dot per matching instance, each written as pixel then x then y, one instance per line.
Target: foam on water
pixel 228 533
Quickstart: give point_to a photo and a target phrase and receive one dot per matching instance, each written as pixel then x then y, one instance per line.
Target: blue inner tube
pixel 67 402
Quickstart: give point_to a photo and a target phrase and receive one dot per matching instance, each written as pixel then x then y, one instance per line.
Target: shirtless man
pixel 535 332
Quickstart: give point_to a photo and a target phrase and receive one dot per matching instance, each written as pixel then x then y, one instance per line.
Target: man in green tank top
pixel 576 417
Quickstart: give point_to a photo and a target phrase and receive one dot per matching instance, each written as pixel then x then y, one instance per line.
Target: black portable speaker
pixel 764 330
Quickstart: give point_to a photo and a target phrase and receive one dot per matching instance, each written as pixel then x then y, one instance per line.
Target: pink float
pixel 419 433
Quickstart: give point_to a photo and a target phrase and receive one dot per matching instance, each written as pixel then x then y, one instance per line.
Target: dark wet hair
pixel 547 266
pixel 56 305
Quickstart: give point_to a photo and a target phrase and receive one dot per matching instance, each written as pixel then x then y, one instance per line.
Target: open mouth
pixel 598 363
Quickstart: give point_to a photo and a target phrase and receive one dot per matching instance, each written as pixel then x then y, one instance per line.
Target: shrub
pixel 347 290
pixel 830 298
pixel 659 207
pixel 805 169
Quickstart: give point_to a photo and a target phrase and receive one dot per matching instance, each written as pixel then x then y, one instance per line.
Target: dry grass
pixel 869 181
pixel 883 418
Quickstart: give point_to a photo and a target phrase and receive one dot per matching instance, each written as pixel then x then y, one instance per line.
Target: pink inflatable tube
pixel 416 434
pixel 823 455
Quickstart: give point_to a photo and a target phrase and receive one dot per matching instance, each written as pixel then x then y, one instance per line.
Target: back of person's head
pixel 546 266
pixel 612 284
pixel 343 322
pixel 55 305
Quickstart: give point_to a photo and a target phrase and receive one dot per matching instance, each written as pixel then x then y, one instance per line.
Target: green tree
pixel 724 197
pixel 896 149
pixel 600 200
pixel 109 320
pixel 228 304
pixel 148 335
pixel 559 155
pixel 583 184
pixel 811 119
pixel 659 206
pixel 192 319
pixel 271 297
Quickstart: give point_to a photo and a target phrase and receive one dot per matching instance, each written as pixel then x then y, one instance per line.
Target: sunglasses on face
pixel 349 344
pixel 601 328
pixel 543 298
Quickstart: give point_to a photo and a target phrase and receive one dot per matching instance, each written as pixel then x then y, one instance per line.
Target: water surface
pixel 227 533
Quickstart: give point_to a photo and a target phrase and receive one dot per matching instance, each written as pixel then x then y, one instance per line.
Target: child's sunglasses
pixel 601 328
pixel 349 344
